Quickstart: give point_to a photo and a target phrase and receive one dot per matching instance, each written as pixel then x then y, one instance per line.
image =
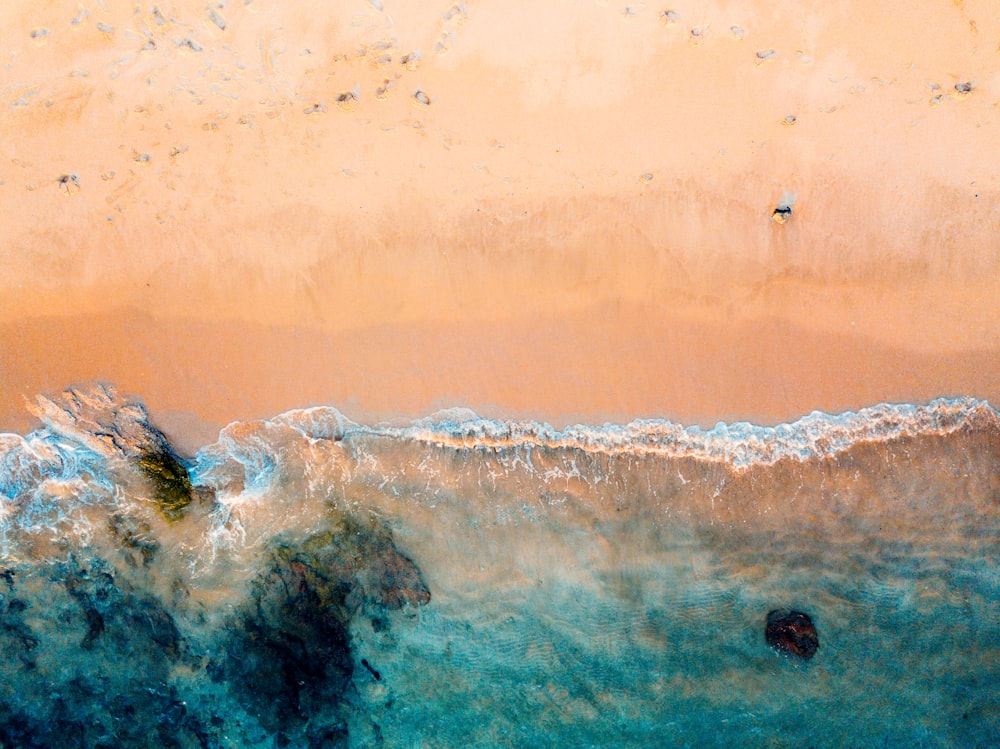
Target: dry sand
pixel 555 210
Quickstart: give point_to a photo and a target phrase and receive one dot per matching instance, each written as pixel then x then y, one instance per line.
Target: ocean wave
pixel 739 444
pixel 96 447
pixel 641 559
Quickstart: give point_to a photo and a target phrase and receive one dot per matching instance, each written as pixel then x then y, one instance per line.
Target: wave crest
pixel 740 444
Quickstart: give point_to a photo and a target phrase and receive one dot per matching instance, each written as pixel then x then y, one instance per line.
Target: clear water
pixel 593 587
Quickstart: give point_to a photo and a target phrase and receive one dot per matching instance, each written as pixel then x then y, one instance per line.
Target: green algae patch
pixel 171 484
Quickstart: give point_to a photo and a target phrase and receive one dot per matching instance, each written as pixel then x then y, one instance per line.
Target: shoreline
pixel 195 377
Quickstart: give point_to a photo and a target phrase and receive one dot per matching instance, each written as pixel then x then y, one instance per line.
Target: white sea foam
pixel 83 452
pixel 740 444
pixel 320 422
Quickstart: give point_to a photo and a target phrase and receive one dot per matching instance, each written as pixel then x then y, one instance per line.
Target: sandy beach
pixel 574 212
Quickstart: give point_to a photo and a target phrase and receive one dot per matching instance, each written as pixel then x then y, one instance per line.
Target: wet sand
pixel 561 213
pixel 601 365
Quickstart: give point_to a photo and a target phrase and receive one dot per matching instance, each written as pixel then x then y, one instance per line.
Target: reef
pixel 92 660
pixel 288 648
pixel 116 631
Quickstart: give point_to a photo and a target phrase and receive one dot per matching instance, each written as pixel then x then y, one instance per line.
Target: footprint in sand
pixel 348 101
pixel 698 34
pixel 765 55
pixel 411 60
pixel 383 91
pixel 445 43
pixel 936 95
pixel 963 90
pixel 189 43
pixel 783 211
pixel 456 13
pixel 215 17
pixel 69 184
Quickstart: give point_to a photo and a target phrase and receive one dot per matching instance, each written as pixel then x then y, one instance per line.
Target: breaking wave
pixel 458 581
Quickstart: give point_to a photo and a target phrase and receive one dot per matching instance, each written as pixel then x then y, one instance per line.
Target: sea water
pixel 463 582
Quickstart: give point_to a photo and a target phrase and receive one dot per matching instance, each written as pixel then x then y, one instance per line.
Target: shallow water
pixel 506 584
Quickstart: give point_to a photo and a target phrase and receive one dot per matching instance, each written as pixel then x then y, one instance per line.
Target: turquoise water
pixel 464 582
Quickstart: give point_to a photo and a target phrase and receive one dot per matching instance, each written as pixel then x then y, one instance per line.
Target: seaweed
pixel 171 484
pixel 107 424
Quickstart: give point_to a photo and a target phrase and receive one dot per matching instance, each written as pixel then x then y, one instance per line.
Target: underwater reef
pixel 104 647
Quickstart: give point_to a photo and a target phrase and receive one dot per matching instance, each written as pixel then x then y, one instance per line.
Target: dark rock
pixel 108 424
pixel 288 655
pixel 15 634
pixel 172 489
pixel 95 626
pixel 147 616
pixel 113 691
pixel 139 621
pixel 327 737
pixel 791 633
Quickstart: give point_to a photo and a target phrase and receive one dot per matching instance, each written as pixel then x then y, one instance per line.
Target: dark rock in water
pixel 101 420
pixel 791 633
pixel 135 618
pixel 371 669
pixel 288 656
pixel 87 661
pixel 107 642
pixel 170 481
pixel 135 537
pixel 16 636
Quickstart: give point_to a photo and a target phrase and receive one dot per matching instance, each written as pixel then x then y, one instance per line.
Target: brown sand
pixel 562 213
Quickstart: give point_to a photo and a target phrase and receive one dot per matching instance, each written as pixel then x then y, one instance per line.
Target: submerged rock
pixel 288 654
pixel 95 657
pixel 791 633
pixel 87 660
